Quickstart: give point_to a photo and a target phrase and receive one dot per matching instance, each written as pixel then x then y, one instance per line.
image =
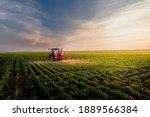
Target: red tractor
pixel 56 54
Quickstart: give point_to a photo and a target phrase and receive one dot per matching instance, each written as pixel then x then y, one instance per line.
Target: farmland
pixel 92 75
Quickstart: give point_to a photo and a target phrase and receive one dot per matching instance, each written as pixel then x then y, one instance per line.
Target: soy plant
pixel 44 70
pixel 4 82
pixel 131 91
pixel 37 70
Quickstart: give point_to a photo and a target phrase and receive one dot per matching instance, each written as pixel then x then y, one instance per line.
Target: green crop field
pixel 82 75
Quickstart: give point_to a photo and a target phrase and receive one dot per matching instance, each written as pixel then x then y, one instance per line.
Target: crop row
pixel 21 78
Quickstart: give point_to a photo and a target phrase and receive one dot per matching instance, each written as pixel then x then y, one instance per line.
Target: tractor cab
pixel 56 54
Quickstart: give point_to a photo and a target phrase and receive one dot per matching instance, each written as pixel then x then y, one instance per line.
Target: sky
pixel 35 25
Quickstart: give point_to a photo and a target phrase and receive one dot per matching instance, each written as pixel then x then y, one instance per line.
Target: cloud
pixel 132 19
pixel 127 28
pixel 18 23
pixel 108 25
pixel 22 25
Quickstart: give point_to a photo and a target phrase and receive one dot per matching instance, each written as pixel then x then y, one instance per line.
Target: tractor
pixel 56 54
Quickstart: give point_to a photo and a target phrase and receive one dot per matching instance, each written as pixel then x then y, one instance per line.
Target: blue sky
pixel 33 25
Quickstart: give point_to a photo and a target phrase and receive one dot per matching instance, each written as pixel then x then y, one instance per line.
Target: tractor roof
pixel 56 48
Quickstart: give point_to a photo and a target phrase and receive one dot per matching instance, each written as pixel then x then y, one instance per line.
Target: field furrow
pixel 109 75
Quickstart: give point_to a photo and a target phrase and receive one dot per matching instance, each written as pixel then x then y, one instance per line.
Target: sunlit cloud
pixel 26 25
pixel 18 24
pixel 129 28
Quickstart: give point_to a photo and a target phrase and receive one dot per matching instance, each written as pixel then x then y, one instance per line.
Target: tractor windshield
pixel 55 52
